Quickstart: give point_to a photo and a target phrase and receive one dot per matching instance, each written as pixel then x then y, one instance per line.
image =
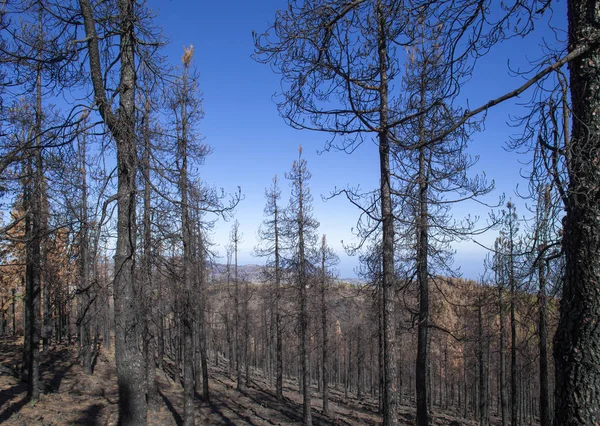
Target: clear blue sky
pixel 251 142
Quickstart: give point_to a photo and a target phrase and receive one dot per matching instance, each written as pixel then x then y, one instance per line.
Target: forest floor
pixel 74 398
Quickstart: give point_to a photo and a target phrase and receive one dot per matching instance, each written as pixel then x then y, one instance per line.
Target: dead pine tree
pixel 300 232
pixel 235 238
pixel 270 234
pixel 328 259
pixel 120 123
pixel 85 291
pixel 186 112
pixel 312 61
pixel 151 313
pixel 434 177
pixel 499 267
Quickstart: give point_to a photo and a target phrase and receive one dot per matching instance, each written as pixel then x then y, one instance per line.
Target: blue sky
pixel 251 143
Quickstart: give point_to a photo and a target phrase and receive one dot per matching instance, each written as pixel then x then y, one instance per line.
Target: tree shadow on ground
pixel 286 407
pixel 90 416
pixel 176 416
pixel 59 363
pixel 7 395
pixel 226 420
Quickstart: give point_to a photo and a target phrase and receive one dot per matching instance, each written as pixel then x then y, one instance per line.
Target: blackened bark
pixel 389 368
pixel 13 311
pixel 279 343
pixel 278 324
pixel 422 277
pixel 303 286
pixel 186 229
pixel 84 251
pixel 483 377
pixel 543 346
pixel 201 314
pixel 236 300
pixel 246 332
pixel 128 357
pixel 514 390
pixel 26 283
pixel 47 326
pixel 203 350
pixel 150 311
pixel 324 331
pixel 503 398
pixel 34 256
pixel 577 340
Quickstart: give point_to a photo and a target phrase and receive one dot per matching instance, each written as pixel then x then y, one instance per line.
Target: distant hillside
pixel 255 274
pixel 251 273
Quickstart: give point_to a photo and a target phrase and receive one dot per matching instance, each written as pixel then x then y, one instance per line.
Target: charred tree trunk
pixel 422 277
pixel 304 333
pixel 84 320
pixel 514 389
pixel 324 331
pixel 577 340
pixel 150 311
pixel 128 357
pixel 278 324
pixel 483 377
pixel 390 416
pixel 502 370
pixel 34 254
pixel 188 279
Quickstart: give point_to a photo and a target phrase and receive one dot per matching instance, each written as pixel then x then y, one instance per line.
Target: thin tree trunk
pixel 542 325
pixel 236 298
pixel 324 332
pixel 13 312
pixel 503 398
pixel 84 319
pixel 483 382
pixel 203 330
pixel 150 312
pixel 513 327
pixel 278 325
pixel 390 416
pixel 304 320
pixel 188 321
pixel 422 276
pixel 246 332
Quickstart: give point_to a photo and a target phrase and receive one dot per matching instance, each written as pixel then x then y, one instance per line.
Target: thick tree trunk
pixel 128 357
pixel 34 257
pixel 577 340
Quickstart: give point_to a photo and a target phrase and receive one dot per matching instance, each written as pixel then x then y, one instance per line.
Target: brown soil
pixel 74 398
